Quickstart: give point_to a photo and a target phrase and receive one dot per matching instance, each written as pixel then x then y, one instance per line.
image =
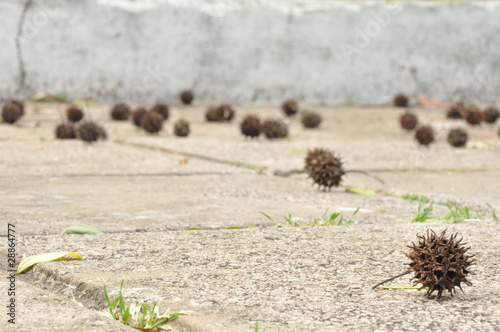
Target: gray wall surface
pixel 320 52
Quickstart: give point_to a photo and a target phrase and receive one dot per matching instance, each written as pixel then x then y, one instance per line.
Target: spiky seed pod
pixel 181 128
pixel 152 122
pixel 424 135
pixel 316 157
pixel 137 115
pixel 408 121
pixel 290 107
pixel 17 103
pixel 90 131
pixel 456 111
pixel 214 114
pixel 250 126
pixel 12 111
pixel 440 262
pixel 401 100
pixel 457 137
pixel 473 115
pixel 311 119
pixel 120 112
pixel 491 114
pixel 326 170
pixel 162 109
pixel 274 129
pixel 187 97
pixel 74 114
pixel 65 131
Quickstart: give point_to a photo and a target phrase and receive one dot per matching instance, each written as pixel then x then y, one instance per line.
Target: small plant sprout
pixel 423 213
pixel 144 317
pixel 333 219
pixel 414 197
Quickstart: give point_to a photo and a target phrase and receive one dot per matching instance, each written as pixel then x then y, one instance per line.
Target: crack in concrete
pixel 19 53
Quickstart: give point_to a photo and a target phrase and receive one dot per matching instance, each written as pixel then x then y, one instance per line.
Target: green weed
pixel 423 213
pixel 142 317
pixel 334 219
pixel 413 197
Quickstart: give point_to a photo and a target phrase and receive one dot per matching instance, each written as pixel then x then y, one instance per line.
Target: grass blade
pixel 28 262
pixel 81 230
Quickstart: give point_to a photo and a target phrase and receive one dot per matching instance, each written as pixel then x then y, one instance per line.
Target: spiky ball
pixel 12 110
pixel 214 114
pixel 65 131
pixel 473 115
pixel 250 126
pixel 457 137
pixel 274 129
pixel 187 97
pixel 324 168
pixel 424 135
pixel 152 122
pixel 74 114
pixel 408 121
pixel 440 263
pixel 456 111
pixel 137 115
pixel 181 128
pixel 120 112
pixel 161 109
pixel 90 131
pixel 311 119
pixel 290 107
pixel 316 157
pixel 491 115
pixel 400 100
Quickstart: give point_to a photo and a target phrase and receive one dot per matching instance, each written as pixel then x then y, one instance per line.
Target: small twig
pixel 366 173
pixel 392 278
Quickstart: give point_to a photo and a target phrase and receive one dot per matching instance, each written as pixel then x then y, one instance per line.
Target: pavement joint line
pixel 174 174
pixel 259 169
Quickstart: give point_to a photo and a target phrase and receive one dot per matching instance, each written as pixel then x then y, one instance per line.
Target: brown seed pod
pixel 440 263
pixel 181 128
pixel 491 115
pixel 424 135
pixel 274 129
pixel 316 157
pixel 137 115
pixel 12 111
pixel 408 121
pixel 324 168
pixel 162 109
pixel 473 115
pixel 90 131
pixel 401 100
pixel 120 112
pixel 457 137
pixel 456 111
pixel 311 119
pixel 152 122
pixel 250 126
pixel 74 114
pixel 65 131
pixel 214 114
pixel 186 97
pixel 290 107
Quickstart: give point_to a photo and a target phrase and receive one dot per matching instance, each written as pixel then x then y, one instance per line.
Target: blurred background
pixel 318 51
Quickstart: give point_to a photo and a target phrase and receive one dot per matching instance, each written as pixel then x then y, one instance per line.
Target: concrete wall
pixel 320 51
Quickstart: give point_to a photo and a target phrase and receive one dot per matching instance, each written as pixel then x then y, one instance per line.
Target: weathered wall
pixel 320 52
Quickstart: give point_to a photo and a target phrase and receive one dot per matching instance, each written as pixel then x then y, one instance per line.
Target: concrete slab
pixel 290 279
